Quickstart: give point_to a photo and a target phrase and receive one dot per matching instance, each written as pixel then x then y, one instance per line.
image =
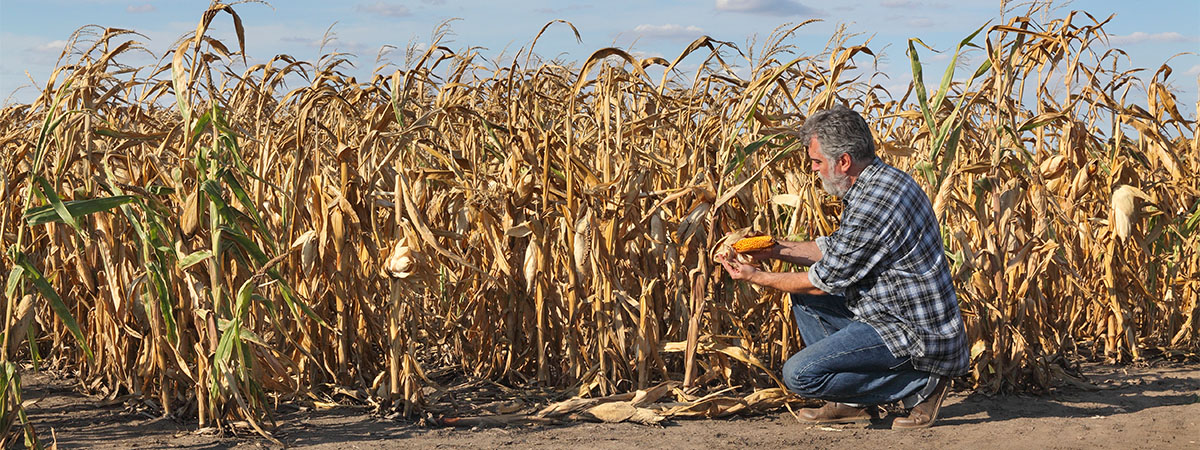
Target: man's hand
pixel 738 270
pixel 792 282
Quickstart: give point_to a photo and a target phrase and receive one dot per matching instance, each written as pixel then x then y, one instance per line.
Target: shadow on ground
pixel 1120 392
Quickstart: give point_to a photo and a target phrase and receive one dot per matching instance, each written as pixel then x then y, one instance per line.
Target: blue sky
pixel 33 32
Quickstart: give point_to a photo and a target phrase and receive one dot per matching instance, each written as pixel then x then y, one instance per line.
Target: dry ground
pixel 1155 408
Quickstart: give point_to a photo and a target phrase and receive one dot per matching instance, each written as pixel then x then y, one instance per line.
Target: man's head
pixel 839 147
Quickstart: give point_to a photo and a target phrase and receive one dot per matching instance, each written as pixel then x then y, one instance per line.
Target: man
pixel 876 309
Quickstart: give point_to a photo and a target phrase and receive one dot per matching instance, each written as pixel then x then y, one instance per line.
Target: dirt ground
pixel 1155 408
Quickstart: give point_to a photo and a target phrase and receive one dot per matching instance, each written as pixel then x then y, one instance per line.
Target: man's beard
pixel 836 184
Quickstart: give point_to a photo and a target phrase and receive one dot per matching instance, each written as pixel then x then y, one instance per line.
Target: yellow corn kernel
pixel 753 243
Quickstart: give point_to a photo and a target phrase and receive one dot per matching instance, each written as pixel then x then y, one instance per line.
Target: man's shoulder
pixel 885 179
pixel 890 173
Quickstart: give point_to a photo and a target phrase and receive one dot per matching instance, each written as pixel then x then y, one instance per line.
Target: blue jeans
pixel 846 361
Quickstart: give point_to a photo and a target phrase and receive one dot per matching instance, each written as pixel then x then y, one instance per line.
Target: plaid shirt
pixel 886 258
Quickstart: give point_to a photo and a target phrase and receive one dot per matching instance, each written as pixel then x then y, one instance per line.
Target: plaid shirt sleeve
pixel 886 258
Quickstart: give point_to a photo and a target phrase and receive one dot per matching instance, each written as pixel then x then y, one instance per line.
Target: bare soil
pixel 1136 407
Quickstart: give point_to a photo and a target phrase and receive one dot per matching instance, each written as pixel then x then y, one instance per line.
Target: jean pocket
pixel 902 364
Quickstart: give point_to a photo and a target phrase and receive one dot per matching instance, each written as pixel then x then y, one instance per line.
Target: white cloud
pixel 920 22
pixel 668 31
pixel 144 8
pixel 776 7
pixel 50 47
pixel 937 57
pixel 900 4
pixel 336 44
pixel 1193 71
pixel 1140 37
pixel 384 9
pixel 305 41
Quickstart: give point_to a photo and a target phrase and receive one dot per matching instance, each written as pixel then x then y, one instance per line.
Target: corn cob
pixel 755 243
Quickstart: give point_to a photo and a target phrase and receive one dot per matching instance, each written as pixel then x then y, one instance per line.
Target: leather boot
pixel 925 413
pixel 833 412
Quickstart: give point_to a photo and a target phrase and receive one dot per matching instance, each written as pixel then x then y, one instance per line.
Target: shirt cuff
pixel 823 245
pixel 821 284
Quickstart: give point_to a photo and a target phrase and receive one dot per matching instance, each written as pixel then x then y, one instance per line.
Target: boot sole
pixel 863 420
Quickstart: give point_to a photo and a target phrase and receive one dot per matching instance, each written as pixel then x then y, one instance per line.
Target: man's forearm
pixel 800 253
pixel 791 282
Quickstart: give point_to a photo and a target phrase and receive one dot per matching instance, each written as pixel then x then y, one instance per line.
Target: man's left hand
pixel 738 270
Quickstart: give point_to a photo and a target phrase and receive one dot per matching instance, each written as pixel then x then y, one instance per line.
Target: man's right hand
pixel 738 270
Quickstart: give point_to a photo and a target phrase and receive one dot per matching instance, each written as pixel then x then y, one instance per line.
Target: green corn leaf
pixel 919 82
pixel 253 250
pixel 983 68
pixel 193 259
pixel 225 345
pixel 232 332
pixel 948 77
pixel 250 336
pixel 49 125
pixel 493 149
pixel 201 161
pixel 201 124
pixel 130 216
pixel 74 208
pixel 14 281
pixel 260 258
pixel 165 306
pixel 951 151
pixel 56 203
pixel 230 214
pixel 230 141
pixel 294 303
pixel 243 298
pixel 738 160
pixel 9 379
pixel 34 356
pixel 248 204
pixel 245 335
pixel 213 190
pixel 56 303
pixel 159 189
pixel 1193 221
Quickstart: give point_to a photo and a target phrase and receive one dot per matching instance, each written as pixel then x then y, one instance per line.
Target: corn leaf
pixel 193 258
pixel 56 203
pixel 75 208
pixel 14 281
pixel 35 276
pixel 165 306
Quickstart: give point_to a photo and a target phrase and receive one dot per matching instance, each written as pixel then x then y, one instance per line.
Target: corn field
pixel 217 242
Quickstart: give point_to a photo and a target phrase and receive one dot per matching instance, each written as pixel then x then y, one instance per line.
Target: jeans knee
pixel 799 377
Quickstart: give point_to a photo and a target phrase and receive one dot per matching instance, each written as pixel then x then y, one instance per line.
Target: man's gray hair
pixel 840 130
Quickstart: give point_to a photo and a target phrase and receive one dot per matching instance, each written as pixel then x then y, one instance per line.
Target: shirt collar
pixel 864 178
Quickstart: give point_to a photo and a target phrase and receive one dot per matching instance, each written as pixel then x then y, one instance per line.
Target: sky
pixel 34 32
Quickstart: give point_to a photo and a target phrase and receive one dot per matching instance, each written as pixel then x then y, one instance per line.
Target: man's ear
pixel 844 162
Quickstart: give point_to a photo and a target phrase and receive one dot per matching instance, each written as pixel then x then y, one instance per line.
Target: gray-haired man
pixel 876 309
